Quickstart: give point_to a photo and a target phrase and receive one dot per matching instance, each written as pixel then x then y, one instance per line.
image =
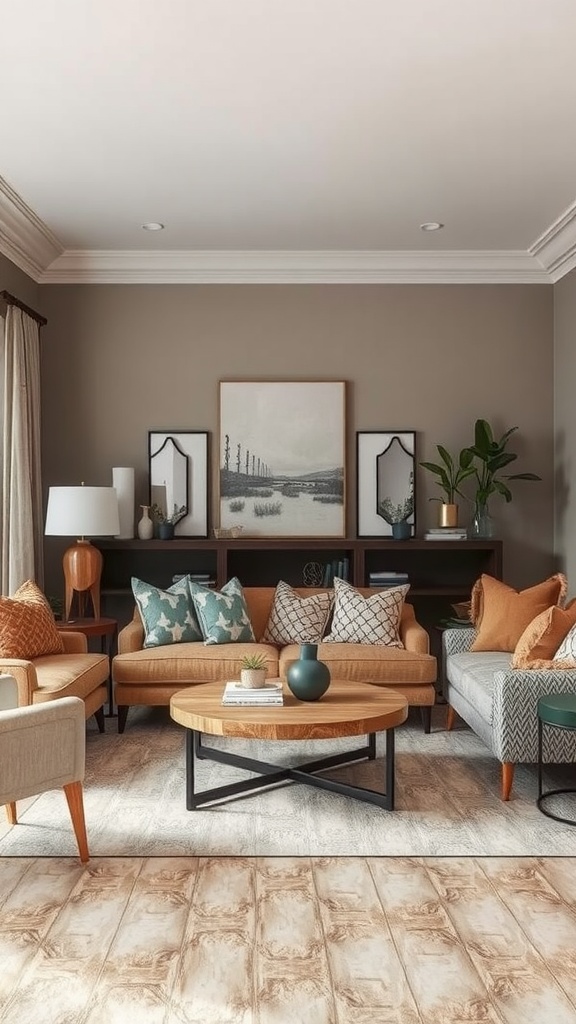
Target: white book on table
pixel 270 693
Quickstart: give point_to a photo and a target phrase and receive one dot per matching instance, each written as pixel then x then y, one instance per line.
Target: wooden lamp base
pixel 82 564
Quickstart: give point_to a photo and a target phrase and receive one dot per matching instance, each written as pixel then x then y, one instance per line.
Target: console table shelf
pixel 436 569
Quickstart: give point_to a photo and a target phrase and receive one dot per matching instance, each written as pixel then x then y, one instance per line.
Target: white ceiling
pixel 288 139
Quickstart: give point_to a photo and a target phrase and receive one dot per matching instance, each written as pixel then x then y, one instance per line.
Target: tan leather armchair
pixel 42 747
pixel 75 673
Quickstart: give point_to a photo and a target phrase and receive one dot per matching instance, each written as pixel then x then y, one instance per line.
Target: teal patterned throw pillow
pixel 222 614
pixel 168 615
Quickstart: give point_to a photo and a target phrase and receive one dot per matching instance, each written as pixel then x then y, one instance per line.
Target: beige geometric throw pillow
pixel 295 619
pixel 366 620
pixel 27 625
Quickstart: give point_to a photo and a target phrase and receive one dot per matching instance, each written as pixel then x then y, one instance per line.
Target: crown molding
pixel 31 246
pixel 556 247
pixel 294 267
pixel 24 238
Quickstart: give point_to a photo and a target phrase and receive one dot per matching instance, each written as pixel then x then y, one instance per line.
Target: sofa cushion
pixel 366 620
pixel 369 663
pixel 566 652
pixel 222 614
pixel 72 675
pixel 168 616
pixel 472 675
pixel 295 619
pixel 503 613
pixel 27 626
pixel 190 663
pixel 543 636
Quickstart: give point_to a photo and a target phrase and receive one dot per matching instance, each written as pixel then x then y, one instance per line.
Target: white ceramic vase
pixel 145 524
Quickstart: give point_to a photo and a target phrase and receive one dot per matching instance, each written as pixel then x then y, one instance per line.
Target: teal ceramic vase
pixel 166 531
pixel 308 678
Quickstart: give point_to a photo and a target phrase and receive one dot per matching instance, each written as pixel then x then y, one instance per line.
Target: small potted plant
pixel 166 523
pixel 398 514
pixel 451 474
pixel 253 671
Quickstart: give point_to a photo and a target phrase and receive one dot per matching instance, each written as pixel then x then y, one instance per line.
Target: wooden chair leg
pixel 99 716
pixel 122 710
pixel 426 717
pixel 450 717
pixel 73 793
pixel 507 779
pixel 11 814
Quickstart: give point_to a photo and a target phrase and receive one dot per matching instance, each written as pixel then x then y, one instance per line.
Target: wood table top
pixel 94 627
pixel 346 709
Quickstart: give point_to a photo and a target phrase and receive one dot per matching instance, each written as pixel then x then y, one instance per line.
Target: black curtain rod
pixel 13 301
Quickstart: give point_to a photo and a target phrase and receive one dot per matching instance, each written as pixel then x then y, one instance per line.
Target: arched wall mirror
pixel 178 467
pixel 385 466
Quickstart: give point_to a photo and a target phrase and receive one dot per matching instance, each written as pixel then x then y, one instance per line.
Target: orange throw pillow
pixel 542 638
pixel 504 613
pixel 27 625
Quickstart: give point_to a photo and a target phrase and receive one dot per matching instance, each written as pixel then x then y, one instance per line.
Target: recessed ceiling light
pixel 153 227
pixel 431 225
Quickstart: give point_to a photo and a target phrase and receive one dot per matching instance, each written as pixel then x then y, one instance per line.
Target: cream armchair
pixel 42 747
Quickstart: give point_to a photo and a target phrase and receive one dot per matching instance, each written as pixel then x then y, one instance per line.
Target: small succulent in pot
pixel 253 671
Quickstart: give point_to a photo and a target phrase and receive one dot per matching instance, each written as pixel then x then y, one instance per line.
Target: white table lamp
pixel 78 512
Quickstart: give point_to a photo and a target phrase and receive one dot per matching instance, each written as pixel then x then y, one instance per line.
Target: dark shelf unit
pixel 439 571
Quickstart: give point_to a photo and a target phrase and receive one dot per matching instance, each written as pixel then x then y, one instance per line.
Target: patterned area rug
pixel 447 801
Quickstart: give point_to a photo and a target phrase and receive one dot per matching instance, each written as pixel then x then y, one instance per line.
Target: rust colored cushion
pixel 502 613
pixel 27 625
pixel 541 639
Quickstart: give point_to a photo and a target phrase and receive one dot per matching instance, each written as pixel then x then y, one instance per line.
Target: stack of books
pixel 206 579
pixel 386 578
pixel 447 533
pixel 269 695
pixel 337 567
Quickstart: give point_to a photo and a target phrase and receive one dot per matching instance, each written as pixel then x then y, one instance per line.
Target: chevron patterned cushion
pixel 540 640
pixel 295 619
pixel 366 620
pixel 27 625
pixel 168 616
pixel 504 613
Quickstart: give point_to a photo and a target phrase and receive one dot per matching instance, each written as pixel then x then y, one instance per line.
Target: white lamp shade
pixel 82 512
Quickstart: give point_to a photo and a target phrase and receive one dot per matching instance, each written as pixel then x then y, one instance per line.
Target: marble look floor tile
pixel 288 940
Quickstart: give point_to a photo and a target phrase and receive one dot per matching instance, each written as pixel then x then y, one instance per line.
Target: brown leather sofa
pixel 75 673
pixel 151 675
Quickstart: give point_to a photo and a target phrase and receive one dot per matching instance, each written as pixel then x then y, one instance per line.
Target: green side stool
pixel 555 711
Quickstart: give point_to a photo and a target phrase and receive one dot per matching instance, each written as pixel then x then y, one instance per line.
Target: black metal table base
pixel 551 792
pixel 272 774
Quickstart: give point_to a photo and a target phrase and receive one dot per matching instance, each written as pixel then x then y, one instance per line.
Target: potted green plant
pixel 490 458
pixel 253 671
pixel 166 523
pixel 451 474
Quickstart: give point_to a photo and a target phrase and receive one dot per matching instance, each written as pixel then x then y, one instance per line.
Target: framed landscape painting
pixel 282 458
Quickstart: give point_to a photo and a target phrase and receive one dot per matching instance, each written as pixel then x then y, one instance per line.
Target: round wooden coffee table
pixel 346 709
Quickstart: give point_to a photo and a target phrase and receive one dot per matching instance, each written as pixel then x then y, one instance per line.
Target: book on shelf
pixel 443 530
pixel 205 578
pixel 269 695
pixel 451 535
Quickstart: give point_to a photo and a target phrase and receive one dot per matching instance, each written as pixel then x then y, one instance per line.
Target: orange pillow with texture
pixel 541 639
pixel 505 613
pixel 27 625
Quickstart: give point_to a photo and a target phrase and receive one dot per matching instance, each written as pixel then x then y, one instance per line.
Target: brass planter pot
pixel 448 515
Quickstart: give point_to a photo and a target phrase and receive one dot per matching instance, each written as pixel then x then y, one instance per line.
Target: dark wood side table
pixel 107 630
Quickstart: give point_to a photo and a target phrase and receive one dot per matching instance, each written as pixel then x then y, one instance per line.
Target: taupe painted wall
pixel 565 420
pixel 122 359
pixel 15 281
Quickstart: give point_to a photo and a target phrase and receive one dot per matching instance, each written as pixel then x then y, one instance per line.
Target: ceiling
pixel 288 139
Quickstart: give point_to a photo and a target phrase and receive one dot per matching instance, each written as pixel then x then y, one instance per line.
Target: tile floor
pixel 288 940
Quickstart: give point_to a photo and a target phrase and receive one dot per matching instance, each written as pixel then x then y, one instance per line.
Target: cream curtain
pixel 21 529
